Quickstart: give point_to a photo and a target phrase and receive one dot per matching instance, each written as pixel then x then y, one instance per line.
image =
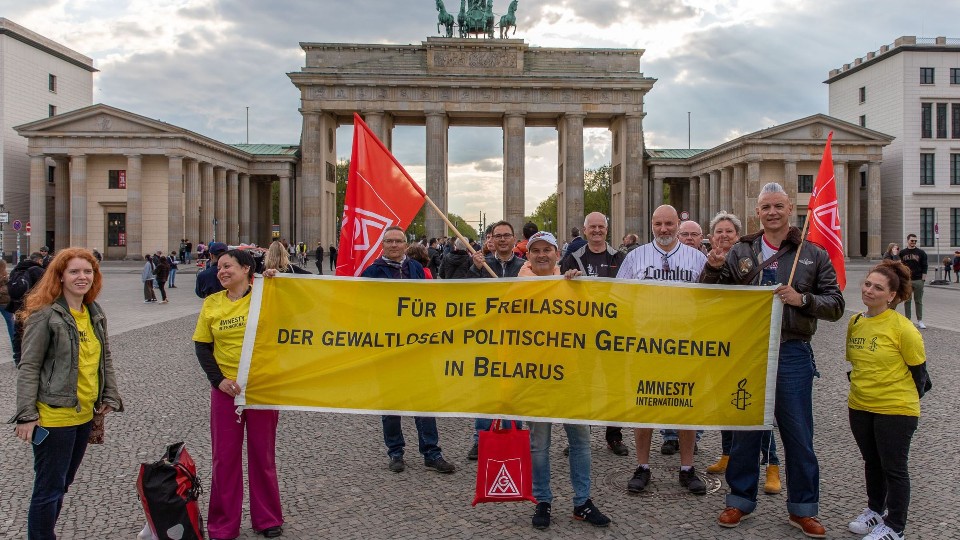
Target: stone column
pixel 192 206
pixel 840 177
pixel 61 204
pixel 312 164
pixel 233 207
pixel 714 194
pixel 726 189
pixel 220 208
pixel 853 201
pixel 253 232
pixel 751 222
pixel 695 199
pixel 245 208
pixel 635 214
pixel 285 230
pixel 513 169
pixel 437 139
pixel 704 201
pixel 572 174
pixel 206 203
pixel 266 213
pixel 739 191
pixel 78 203
pixel 790 180
pixel 135 207
pixel 38 204
pixel 657 192
pixel 175 210
pixel 378 124
pixel 873 210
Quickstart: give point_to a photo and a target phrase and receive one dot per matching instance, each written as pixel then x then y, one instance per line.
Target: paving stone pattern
pixel 333 469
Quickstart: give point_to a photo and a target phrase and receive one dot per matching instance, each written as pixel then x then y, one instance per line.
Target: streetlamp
pixel 4 218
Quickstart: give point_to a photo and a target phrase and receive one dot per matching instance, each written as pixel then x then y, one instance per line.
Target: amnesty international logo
pixel 741 397
pixel 503 484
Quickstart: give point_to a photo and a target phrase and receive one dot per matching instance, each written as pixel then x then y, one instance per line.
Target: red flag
pixel 380 194
pixel 824 215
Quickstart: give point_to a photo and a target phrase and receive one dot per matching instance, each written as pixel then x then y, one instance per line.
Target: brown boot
pixel 720 466
pixel 772 485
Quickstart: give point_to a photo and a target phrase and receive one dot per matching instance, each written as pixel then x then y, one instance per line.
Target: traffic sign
pixel 4 217
pixel 17 225
pixel 28 227
pixel 684 215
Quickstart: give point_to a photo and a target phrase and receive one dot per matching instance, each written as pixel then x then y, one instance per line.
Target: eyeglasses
pixel 689 234
pixel 394 241
pixel 503 236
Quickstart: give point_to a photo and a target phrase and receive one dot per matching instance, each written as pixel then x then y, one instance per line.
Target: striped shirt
pixel 682 263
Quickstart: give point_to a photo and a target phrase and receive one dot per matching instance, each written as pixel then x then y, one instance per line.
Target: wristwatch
pixel 804 299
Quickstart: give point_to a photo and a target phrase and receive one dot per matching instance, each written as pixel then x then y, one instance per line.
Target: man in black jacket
pixel 503 261
pixel 24 277
pixel 207 281
pixel 916 260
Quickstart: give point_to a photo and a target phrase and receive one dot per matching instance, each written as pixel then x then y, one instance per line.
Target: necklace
pixel 232 299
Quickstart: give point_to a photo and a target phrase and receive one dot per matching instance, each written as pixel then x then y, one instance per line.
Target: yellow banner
pixel 595 351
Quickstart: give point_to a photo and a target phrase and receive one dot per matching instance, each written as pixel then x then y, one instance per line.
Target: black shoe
pixel 618 448
pixel 691 481
pixel 541 517
pixel 272 532
pixel 474 452
pixel 589 513
pixel 669 448
pixel 440 465
pixel 566 451
pixel 397 465
pixel 641 477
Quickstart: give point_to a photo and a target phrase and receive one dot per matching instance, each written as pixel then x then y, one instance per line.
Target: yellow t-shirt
pixel 880 349
pixel 88 379
pixel 223 323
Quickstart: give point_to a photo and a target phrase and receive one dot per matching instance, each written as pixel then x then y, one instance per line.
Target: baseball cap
pixel 217 248
pixel 542 236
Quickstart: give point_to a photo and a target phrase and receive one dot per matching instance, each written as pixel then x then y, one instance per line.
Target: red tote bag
pixel 504 471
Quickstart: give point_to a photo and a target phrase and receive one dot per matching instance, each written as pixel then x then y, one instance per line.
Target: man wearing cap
pixel 542 256
pixel 207 281
pixel 597 258
pixel 664 259
pixel 45 256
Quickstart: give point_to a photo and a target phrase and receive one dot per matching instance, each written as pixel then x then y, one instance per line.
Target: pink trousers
pixel 226 488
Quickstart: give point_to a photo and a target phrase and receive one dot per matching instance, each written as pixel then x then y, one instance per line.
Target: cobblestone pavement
pixel 333 469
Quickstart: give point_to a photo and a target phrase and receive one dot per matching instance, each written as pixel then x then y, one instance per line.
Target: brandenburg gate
pixel 447 82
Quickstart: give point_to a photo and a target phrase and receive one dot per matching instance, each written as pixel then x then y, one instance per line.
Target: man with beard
pixel 664 259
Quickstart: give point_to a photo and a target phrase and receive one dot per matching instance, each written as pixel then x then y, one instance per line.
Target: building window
pixel 52 110
pixel 863 94
pixel 117 179
pixel 954 79
pixel 801 219
pixel 805 183
pixel 116 229
pixel 926 226
pixel 955 121
pixel 955 172
pixel 926 120
pixel 941 120
pixel 51 171
pixel 863 120
pixel 52 83
pixel 926 75
pixel 955 226
pixel 926 169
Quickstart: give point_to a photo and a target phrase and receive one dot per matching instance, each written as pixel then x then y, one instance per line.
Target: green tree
pixel 596 198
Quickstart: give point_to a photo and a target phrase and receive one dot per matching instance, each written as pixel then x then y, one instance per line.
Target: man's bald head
pixel 664 226
pixel 690 233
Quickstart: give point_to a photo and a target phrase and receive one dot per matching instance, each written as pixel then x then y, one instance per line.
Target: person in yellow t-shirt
pixel 218 340
pixel 58 390
pixel 887 355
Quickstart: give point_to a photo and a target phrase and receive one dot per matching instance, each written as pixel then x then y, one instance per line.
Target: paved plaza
pixel 333 469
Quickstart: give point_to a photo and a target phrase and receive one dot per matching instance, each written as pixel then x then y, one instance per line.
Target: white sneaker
pixel 921 326
pixel 882 532
pixel 865 522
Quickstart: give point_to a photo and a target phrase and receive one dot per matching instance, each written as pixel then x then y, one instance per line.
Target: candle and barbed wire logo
pixel 741 397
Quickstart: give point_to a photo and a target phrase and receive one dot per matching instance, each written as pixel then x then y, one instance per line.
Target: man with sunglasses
pixel 916 260
pixel 664 259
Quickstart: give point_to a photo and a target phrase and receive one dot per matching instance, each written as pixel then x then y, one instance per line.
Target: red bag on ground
pixel 504 470
pixel 169 489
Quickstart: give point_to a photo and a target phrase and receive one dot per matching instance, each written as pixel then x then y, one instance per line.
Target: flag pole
pixel 457 232
pixel 803 238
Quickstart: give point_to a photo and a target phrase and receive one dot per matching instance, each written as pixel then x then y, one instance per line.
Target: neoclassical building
pixel 106 178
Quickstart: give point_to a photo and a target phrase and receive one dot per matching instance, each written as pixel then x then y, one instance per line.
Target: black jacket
pixel 23 278
pixel 815 275
pixel 573 261
pixel 409 269
pixel 456 265
pixel 503 269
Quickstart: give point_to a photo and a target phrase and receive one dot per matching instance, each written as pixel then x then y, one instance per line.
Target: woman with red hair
pixel 65 375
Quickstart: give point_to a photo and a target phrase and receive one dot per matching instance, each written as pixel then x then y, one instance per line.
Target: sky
pixel 736 66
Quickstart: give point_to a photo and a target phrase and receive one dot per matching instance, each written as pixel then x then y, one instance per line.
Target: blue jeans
pixel 768 446
pixel 794 413
pixel 427 436
pixel 172 278
pixel 483 424
pixel 8 317
pixel 672 435
pixel 579 438
pixel 55 463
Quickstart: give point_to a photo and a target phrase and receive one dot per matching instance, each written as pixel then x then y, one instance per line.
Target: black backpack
pixel 169 490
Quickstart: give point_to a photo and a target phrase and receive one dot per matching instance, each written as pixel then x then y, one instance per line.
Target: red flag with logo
pixel 380 194
pixel 824 215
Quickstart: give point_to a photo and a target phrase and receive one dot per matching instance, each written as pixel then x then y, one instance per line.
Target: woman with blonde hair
pixel 278 259
pixel 65 376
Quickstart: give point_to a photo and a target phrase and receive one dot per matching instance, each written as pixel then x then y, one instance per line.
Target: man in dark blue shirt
pixel 207 282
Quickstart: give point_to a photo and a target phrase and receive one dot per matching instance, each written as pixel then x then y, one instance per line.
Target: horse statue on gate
pixel 444 19
pixel 462 19
pixel 477 18
pixel 509 20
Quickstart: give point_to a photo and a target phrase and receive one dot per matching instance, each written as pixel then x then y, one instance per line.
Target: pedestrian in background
pixel 892 253
pixel 66 374
pixel 162 272
pixel 318 255
pixel 956 266
pixel 5 299
pixel 174 262
pixel 333 258
pixel 147 276
pixel 23 279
